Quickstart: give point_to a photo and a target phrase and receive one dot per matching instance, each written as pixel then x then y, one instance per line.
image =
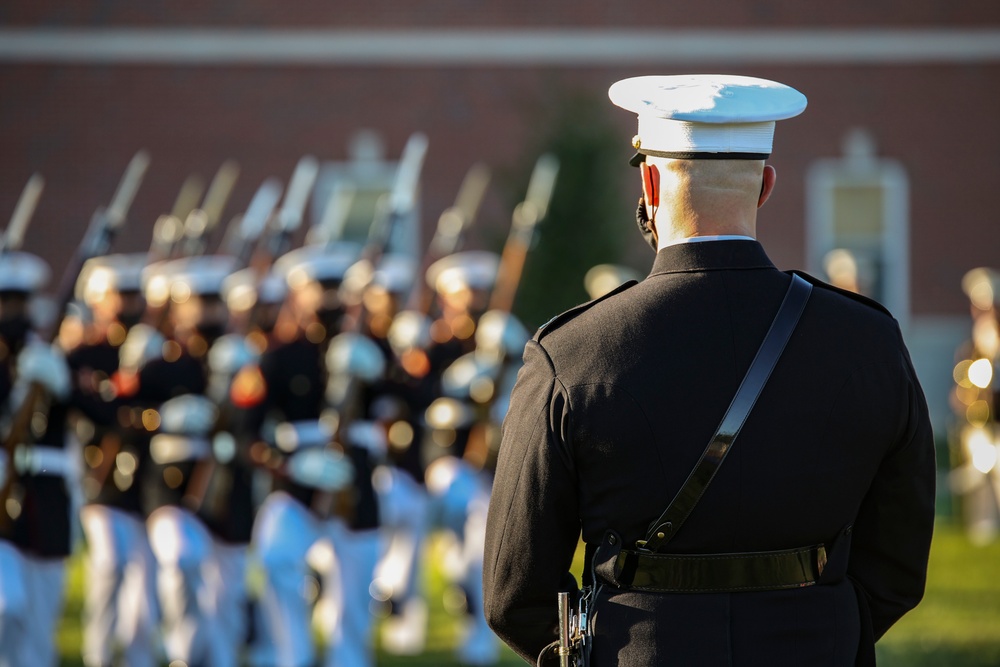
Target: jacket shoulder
pixel 564 317
pixel 854 296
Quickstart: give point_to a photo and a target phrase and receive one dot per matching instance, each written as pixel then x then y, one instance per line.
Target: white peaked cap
pixel 696 115
pixel 476 269
pixel 199 275
pixel 22 272
pixel 100 275
pixel 244 288
pixel 395 272
pixel 320 262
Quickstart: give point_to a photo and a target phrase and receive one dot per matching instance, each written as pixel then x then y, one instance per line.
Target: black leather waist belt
pixel 719 573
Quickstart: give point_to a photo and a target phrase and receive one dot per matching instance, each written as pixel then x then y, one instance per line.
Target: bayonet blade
pixel 23 212
pixel 127 189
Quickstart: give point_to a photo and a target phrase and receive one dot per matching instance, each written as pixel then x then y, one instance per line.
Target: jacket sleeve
pixel 533 525
pixel 892 532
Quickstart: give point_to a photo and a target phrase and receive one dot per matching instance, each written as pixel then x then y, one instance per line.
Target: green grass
pixel 957 624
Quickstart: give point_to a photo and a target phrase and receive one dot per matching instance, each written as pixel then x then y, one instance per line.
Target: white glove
pixel 368 435
pixel 409 329
pixel 469 373
pixel 499 332
pixel 45 365
pixel 321 468
pixel 142 344
pixel 356 356
pixel 230 353
pixel 188 414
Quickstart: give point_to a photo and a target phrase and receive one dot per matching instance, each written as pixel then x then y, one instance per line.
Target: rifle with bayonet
pixel 169 227
pixel 413 323
pixel 395 207
pixel 165 238
pixel 210 482
pixel 13 236
pixel 201 222
pixel 481 447
pixel 525 219
pixel 104 226
pixel 452 224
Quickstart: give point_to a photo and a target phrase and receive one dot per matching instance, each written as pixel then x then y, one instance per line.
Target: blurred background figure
pixel 35 508
pixel 120 608
pixel 298 432
pixel 975 477
pixel 166 364
pixel 601 279
pixel 842 270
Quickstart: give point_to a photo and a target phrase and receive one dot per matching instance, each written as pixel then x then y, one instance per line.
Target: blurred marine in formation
pixel 40 401
pixel 120 607
pixel 35 513
pixel 262 439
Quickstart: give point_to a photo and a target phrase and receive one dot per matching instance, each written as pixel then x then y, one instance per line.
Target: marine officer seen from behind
pixel 803 531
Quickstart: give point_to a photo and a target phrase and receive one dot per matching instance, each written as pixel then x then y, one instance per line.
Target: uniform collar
pixel 711 256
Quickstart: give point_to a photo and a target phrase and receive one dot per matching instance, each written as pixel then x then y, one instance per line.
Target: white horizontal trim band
pixel 465 47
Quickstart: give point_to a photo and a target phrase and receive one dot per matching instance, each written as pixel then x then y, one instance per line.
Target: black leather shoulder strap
pixel 664 528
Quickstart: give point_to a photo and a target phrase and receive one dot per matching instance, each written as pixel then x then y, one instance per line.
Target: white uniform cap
pixel 603 278
pixel 180 278
pixel 475 269
pixel 318 262
pixel 395 272
pixel 706 115
pixel 22 272
pixel 100 275
pixel 242 289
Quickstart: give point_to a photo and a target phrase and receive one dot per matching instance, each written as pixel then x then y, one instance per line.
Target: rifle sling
pixel 666 526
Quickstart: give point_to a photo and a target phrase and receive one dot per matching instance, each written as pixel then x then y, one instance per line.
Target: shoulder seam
pixel 854 296
pixel 567 315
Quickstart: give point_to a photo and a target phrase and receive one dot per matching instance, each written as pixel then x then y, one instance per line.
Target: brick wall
pixel 80 124
pixel 595 13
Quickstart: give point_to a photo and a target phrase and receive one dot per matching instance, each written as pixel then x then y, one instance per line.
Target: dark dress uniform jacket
pixel 615 404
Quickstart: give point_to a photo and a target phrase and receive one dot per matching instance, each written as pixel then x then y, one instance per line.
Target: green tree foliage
pixel 589 219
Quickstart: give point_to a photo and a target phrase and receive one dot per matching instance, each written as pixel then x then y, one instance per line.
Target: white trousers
pixel 31 601
pixel 187 580
pixel 287 539
pixel 120 607
pixel 226 581
pixel 404 523
pixel 460 498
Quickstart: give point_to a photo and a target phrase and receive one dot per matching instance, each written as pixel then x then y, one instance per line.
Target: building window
pixel 857 223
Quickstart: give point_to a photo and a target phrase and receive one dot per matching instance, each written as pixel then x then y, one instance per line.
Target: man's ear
pixel 650 184
pixel 767 184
